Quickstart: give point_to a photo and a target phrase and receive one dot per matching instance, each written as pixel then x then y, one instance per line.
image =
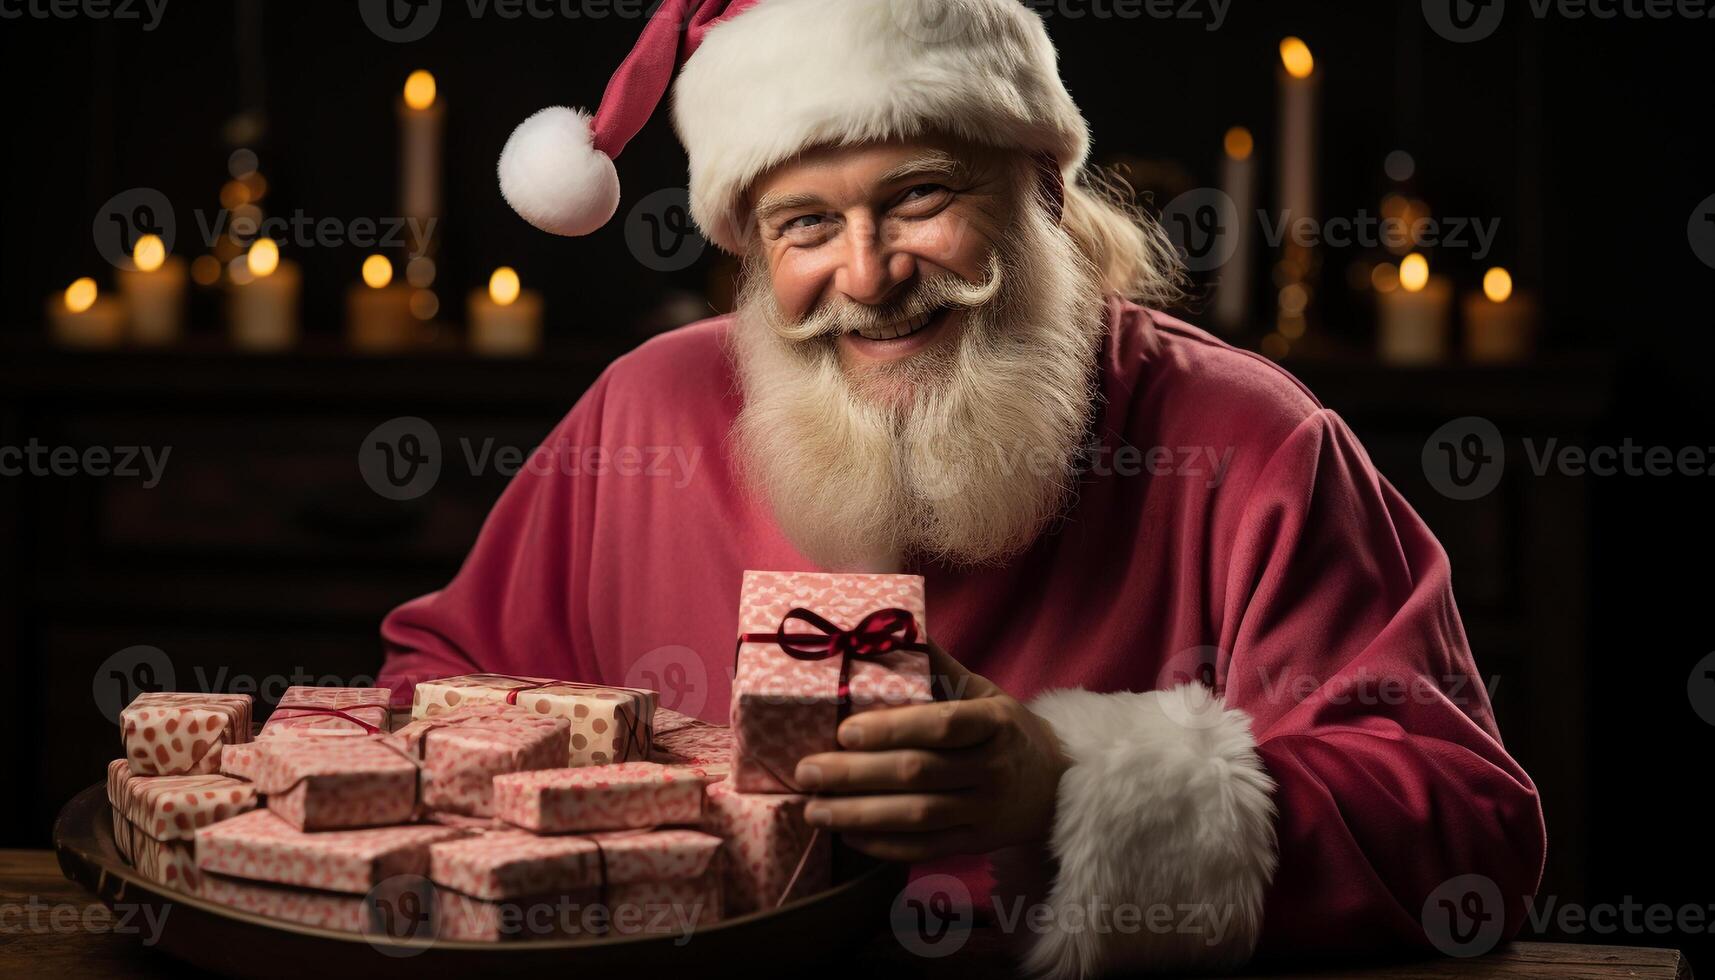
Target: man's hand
pixel 954 777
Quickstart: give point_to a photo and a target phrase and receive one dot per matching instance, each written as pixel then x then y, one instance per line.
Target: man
pixel 1253 702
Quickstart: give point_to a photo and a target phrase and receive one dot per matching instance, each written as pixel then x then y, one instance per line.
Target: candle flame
pixel 263 258
pixel 1414 272
pixel 1296 56
pixel 1239 143
pixel 377 271
pixel 1498 285
pixel 503 286
pixel 81 294
pixel 420 90
pixel 150 253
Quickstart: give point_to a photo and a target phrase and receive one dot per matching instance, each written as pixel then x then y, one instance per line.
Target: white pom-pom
pixel 552 174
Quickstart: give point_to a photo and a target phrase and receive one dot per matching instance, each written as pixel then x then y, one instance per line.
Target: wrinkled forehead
pixel 844 173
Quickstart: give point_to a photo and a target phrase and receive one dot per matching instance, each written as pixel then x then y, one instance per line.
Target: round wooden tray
pixel 225 940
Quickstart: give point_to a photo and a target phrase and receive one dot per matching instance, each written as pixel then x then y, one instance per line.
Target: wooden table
pixel 50 927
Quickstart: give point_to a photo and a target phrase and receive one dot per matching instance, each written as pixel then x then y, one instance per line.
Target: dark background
pixel 1586 598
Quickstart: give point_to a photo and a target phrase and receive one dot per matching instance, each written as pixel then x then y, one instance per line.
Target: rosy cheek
pixel 948 240
pixel 799 278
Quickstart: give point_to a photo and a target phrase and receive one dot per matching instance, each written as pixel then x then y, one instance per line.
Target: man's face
pixel 853 233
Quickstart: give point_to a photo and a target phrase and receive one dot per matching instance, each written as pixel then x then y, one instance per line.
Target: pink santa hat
pixel 760 81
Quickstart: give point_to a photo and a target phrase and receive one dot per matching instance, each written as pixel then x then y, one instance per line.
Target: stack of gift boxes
pixel 517 807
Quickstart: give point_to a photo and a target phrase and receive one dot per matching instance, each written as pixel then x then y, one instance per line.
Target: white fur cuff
pixel 1163 838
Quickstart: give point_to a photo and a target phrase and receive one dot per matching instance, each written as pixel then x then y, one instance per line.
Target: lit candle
pixel 1300 86
pixel 506 320
pixel 1238 181
pixel 378 311
pixel 154 290
pixel 1417 317
pixel 82 317
pixel 420 123
pixel 1500 324
pixel 262 301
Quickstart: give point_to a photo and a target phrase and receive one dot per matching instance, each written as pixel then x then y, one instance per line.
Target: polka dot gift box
pixel 463 749
pixel 173 734
pixel 627 796
pixel 814 647
pixel 329 711
pixel 609 724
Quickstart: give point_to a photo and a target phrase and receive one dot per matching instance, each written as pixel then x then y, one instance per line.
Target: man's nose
pixel 872 268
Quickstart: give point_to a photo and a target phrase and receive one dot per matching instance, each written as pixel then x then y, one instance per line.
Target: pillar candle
pixel 1500 325
pixel 378 312
pixel 1300 91
pixel 262 311
pixel 505 320
pixel 1416 318
pixel 154 291
pixel 421 120
pixel 82 317
pixel 1238 182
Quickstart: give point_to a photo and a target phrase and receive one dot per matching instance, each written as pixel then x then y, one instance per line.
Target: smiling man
pixel 1203 661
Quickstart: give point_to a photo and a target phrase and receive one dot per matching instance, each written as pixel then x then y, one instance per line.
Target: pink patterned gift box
pixel 166 862
pixel 766 841
pixel 786 707
pixel 627 796
pixel 628 882
pixel 329 711
pixel 173 807
pixel 259 846
pixel 463 749
pixel 681 740
pixel 173 734
pixel 398 908
pixel 332 783
pixel 609 724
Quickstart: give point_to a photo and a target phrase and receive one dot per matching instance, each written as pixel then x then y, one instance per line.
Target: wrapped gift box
pixel 174 734
pixel 399 907
pixel 786 707
pixel 325 783
pixel 765 840
pixel 463 749
pixel 329 711
pixel 609 724
pixel 627 796
pixel 681 740
pixel 171 808
pixel 171 863
pixel 512 884
pixel 259 846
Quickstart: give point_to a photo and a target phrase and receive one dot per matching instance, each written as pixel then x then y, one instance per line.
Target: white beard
pixel 962 454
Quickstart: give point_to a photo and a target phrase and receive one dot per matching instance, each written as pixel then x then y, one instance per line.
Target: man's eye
pixel 923 190
pixel 802 222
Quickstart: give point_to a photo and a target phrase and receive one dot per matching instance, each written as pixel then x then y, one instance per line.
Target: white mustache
pixel 840 316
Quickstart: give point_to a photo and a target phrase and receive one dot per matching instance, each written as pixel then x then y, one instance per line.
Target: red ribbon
pixel 632 720
pixel 878 634
pixel 331 713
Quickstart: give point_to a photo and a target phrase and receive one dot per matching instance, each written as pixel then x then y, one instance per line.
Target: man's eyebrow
pixel 774 204
pixel 937 164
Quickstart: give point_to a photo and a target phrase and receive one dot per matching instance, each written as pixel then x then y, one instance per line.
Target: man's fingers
pixel 953 680
pixel 943 725
pixel 890 813
pixel 897 771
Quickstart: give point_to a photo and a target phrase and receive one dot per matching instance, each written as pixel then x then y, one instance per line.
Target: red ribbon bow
pixel 881 632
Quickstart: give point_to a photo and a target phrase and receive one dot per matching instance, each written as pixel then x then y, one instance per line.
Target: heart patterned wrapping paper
pixel 323 783
pixel 681 740
pixel 609 724
pixel 171 808
pixel 463 749
pixel 259 846
pixel 513 884
pixel 764 839
pixel 628 796
pixel 329 711
pixel 173 734
pixel 786 707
